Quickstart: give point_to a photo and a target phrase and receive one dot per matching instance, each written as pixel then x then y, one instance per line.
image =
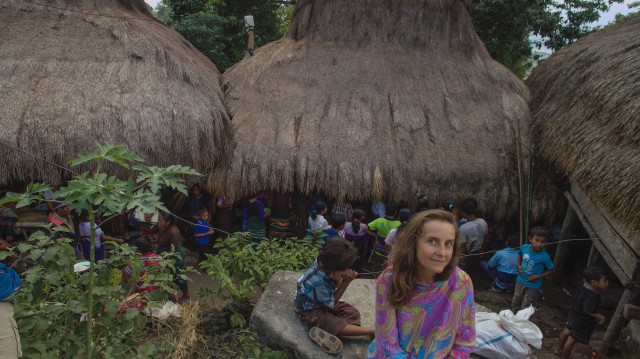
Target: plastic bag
pixel 496 343
pixel 506 335
pixel 520 326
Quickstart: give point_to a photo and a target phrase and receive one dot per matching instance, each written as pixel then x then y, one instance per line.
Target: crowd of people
pixel 424 291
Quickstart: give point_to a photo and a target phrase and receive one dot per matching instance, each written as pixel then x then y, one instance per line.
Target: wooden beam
pixel 623 276
pixel 617 243
pixel 616 324
pixel 562 252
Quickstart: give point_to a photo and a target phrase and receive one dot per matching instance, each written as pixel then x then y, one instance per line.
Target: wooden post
pixel 570 220
pixel 615 325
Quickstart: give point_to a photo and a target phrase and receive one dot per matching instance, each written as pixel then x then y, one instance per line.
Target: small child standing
pixel 319 289
pixel 533 264
pixel 584 315
pixel 202 233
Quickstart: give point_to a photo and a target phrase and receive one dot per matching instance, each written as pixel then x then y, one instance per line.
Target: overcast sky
pixel 604 19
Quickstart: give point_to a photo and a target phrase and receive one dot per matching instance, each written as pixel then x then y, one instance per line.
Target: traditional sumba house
pixel 74 73
pixel 364 100
pixel 586 122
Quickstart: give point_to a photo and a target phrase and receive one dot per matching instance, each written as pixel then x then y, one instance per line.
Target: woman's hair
pixel 337 254
pixel 316 208
pixel 405 261
pixel 143 244
pixel 356 219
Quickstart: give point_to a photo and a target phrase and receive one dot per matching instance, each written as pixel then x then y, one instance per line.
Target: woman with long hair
pixel 424 302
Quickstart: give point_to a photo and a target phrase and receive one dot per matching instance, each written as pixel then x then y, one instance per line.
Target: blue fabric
pixel 9 283
pixel 314 290
pixel 533 263
pixel 505 260
pixel 202 227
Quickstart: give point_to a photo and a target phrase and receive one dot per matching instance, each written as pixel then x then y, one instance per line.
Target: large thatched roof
pixel 370 99
pixel 103 71
pixel 586 116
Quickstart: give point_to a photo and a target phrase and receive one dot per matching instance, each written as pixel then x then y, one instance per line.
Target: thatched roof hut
pixel 77 72
pixel 376 99
pixel 586 122
pixel 586 117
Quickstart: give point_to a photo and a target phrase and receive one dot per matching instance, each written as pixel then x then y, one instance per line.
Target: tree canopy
pixel 509 29
pixel 506 27
pixel 217 29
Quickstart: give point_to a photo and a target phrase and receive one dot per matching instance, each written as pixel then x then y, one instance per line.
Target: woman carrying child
pixel 170 240
pixel 424 302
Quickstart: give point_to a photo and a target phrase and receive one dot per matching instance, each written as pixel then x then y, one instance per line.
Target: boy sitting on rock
pixel 319 289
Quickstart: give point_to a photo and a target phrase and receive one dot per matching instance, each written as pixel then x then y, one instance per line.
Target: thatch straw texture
pixel 104 72
pixel 586 117
pixel 369 99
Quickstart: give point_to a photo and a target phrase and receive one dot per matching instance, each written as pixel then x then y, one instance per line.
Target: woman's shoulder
pixel 460 278
pixel 386 277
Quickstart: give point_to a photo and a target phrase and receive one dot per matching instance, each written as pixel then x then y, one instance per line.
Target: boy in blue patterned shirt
pixel 319 289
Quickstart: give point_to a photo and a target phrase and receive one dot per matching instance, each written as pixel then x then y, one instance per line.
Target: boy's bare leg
pixel 355 330
pixel 562 340
pixel 568 347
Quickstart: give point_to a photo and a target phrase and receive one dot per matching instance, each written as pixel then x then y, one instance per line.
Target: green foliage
pixel 56 293
pixel 205 31
pixel 216 27
pixel 242 266
pixel 53 298
pixel 506 26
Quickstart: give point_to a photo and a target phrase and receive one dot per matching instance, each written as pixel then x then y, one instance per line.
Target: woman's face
pixel 434 249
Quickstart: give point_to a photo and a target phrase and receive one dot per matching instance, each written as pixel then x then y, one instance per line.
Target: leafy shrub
pixel 241 266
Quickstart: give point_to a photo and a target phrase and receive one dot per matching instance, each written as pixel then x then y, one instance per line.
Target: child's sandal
pixel 327 341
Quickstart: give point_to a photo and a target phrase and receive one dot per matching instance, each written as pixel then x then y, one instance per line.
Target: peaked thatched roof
pixel 370 99
pixel 107 72
pixel 586 116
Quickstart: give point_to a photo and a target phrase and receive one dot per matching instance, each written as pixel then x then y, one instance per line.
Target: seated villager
pixel 319 289
pixel 502 268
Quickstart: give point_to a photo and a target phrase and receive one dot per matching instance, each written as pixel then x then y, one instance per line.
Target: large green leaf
pixel 115 154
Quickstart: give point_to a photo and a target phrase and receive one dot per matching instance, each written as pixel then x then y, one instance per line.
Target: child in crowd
pixel 424 302
pixel 336 229
pixel 354 233
pixel 202 233
pixel 149 260
pixel 533 264
pixel 9 285
pixel 584 315
pixel 84 230
pixel 253 218
pixel 319 289
pixel 317 223
pixel 403 216
pixel 502 268
pixel 380 227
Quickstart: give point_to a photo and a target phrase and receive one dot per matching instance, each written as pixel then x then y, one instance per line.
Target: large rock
pixel 276 324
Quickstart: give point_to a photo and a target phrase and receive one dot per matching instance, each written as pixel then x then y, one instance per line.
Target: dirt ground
pixel 551 315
